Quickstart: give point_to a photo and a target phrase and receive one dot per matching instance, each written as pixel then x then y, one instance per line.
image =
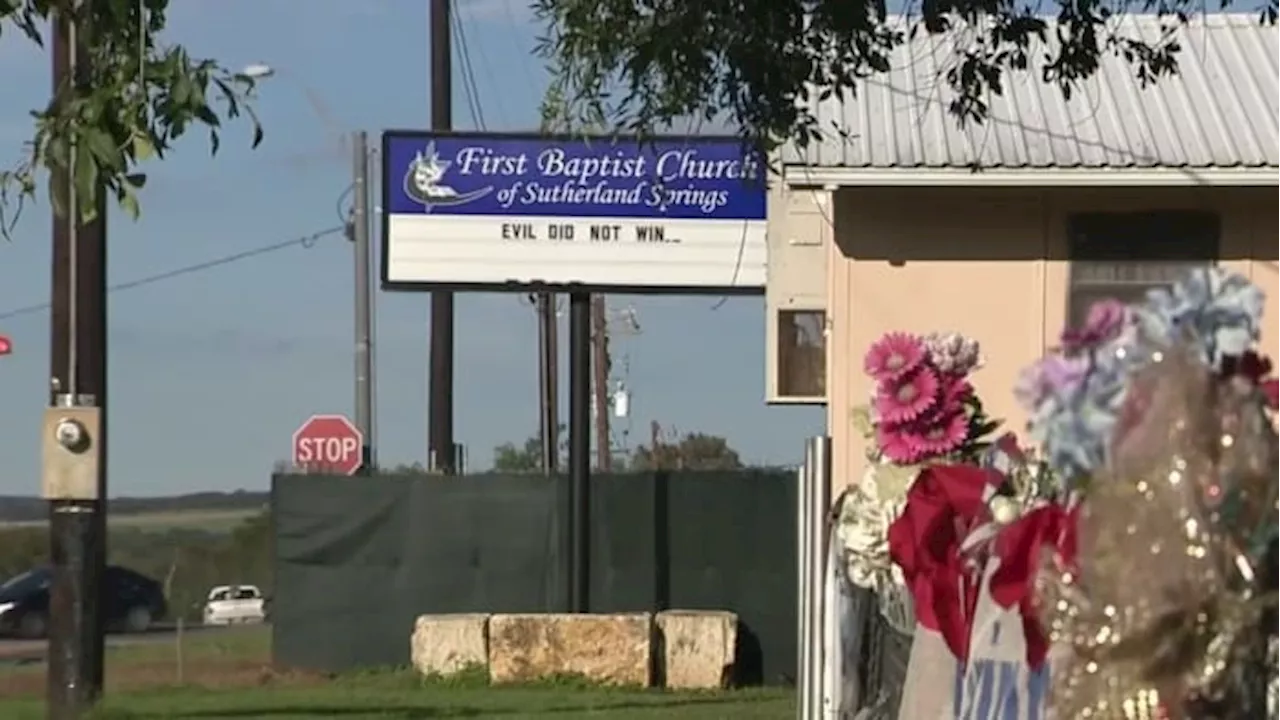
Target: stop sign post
pixel 328 443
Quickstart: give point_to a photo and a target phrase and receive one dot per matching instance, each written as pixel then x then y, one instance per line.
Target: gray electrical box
pixel 71 453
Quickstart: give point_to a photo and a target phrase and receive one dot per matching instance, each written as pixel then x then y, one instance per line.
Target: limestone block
pixel 609 649
pixel 447 644
pixel 697 648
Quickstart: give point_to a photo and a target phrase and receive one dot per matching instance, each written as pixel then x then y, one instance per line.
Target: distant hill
pixel 19 509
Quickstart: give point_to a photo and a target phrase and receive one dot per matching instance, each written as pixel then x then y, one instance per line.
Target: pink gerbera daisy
pixel 953 391
pixel 941 437
pixel 907 397
pixel 896 446
pixel 893 356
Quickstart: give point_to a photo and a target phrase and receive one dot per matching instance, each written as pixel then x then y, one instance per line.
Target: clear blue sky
pixel 211 373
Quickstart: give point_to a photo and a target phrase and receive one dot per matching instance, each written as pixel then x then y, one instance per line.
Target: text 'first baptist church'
pixel 589 180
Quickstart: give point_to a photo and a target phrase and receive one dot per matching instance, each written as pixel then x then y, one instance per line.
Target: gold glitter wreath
pixel 1161 594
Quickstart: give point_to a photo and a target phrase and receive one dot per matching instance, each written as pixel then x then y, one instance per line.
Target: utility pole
pixel 600 363
pixel 440 447
pixel 548 381
pixel 75 457
pixel 579 451
pixel 359 235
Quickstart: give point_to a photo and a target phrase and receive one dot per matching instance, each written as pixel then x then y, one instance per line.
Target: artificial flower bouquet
pixel 923 410
pixel 970 657
pixel 960 543
pixel 1158 596
pixel 1139 559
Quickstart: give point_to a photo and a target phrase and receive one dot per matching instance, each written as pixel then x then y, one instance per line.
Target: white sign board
pixel 516 211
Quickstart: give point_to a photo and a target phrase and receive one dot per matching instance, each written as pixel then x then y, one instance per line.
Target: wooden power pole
pixel 600 380
pixel 75 462
pixel 441 453
pixel 548 387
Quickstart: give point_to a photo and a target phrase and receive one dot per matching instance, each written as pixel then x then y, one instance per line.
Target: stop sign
pixel 328 443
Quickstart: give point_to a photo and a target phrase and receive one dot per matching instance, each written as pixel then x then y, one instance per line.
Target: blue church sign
pixel 486 211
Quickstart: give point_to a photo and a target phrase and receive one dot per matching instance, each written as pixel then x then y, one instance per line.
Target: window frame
pixel 1158 244
pixel 793 383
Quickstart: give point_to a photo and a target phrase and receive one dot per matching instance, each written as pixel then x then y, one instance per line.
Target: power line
pixel 470 89
pixel 305 241
pixel 487 68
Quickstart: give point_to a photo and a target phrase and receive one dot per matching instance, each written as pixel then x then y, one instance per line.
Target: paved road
pixel 19 652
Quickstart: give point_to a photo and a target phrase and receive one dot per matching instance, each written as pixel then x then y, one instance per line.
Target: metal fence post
pixel 804 673
pixel 815 683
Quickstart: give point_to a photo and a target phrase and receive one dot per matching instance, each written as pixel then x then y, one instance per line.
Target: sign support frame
pixel 444 202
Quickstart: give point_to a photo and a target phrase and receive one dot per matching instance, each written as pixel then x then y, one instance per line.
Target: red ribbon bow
pixel 1020 547
pixel 944 504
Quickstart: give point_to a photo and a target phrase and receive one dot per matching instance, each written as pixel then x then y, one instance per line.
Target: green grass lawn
pixel 206 520
pixel 225 675
pixel 395 696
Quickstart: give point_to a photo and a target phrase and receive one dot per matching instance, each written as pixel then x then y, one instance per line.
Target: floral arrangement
pixel 1076 395
pixel 1160 591
pixel 923 410
pixel 1141 547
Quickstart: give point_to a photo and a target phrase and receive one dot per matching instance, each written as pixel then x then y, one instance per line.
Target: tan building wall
pixel 989 262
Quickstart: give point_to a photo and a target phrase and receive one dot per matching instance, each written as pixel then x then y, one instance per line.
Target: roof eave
pixel 1034 177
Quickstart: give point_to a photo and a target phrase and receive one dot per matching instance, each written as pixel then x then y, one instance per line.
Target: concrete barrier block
pixel 609 649
pixel 697 648
pixel 448 644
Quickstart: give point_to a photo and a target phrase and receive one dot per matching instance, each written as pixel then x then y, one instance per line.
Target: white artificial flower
pixel 868 508
pixel 953 353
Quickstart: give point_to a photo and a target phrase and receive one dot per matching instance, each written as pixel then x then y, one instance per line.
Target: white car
pixel 234 604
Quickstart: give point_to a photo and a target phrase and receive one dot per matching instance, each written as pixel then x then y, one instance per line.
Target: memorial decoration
pixel 1137 557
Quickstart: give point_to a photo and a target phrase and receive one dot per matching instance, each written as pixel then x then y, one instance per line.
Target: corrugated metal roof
pixel 1219 111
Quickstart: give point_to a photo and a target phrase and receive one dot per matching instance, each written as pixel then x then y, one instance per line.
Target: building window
pixel 1123 255
pixel 802 354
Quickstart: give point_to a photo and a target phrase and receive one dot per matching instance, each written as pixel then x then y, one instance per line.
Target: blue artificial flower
pixel 1218 312
pixel 1074 414
pixel 1074 425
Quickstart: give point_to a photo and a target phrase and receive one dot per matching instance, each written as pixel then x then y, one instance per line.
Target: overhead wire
pixel 471 92
pixel 486 68
pixel 340 205
pixel 305 241
pixel 526 69
pixel 469 88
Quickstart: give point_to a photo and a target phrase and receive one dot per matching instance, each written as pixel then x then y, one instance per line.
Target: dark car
pixel 132 602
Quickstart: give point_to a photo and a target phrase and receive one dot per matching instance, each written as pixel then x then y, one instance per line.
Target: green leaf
pixel 207 116
pixel 990 426
pixel 860 416
pixel 257 126
pixel 143 148
pixel 182 91
pixel 106 152
pixel 134 100
pixel 86 184
pixel 129 204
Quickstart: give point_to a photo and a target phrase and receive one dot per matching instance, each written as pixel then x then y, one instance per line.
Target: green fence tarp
pixel 358 559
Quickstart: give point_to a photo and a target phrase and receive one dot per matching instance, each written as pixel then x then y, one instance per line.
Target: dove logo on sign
pixel 425 182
